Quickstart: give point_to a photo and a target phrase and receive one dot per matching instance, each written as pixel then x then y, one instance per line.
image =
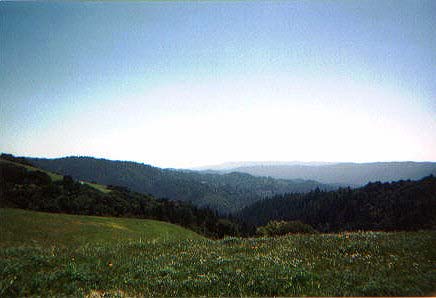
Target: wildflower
pixel 110 264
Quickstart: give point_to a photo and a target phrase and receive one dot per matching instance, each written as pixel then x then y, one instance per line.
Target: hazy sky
pixel 182 84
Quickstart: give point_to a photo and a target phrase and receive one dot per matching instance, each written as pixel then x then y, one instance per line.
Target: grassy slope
pixel 56 177
pixel 46 229
pixel 38 257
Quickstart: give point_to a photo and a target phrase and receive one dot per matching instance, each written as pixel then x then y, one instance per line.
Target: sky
pixel 185 84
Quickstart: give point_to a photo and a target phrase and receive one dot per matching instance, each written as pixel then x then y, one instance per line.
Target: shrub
pixel 277 228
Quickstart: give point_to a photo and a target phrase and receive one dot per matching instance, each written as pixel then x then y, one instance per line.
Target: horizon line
pixel 229 163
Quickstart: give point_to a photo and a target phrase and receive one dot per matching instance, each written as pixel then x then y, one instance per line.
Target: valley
pixel 125 251
pixel 217 148
pixel 225 193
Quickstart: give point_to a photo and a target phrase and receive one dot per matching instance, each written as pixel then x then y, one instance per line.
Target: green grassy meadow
pixel 57 255
pixel 18 227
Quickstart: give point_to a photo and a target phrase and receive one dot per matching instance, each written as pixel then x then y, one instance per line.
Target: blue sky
pixel 183 84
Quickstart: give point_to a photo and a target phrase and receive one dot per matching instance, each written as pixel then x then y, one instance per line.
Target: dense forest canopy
pixel 402 205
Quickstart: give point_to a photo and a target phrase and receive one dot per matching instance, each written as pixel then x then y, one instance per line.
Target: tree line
pixel 401 205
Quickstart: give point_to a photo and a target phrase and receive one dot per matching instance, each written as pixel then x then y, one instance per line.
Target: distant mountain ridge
pixel 231 166
pixel 227 192
pixel 352 174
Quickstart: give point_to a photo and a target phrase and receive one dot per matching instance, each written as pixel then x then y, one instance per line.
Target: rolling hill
pixel 351 174
pixel 46 254
pixel 45 229
pixel 26 187
pixel 223 192
pixel 58 255
pixel 53 176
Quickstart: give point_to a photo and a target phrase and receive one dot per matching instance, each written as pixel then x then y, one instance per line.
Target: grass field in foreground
pixel 372 263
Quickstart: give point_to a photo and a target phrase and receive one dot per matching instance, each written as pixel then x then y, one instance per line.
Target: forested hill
pixel 402 205
pixel 223 192
pixel 26 187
